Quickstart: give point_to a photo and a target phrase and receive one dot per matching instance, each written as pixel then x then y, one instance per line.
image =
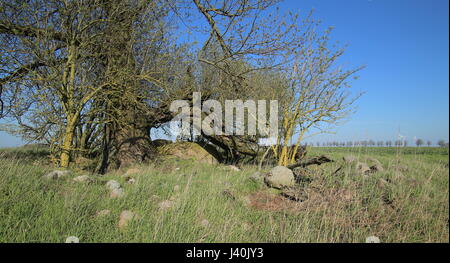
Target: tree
pixel 429 143
pixel 71 67
pixel 441 143
pixel 317 93
pixel 388 143
pixel 92 78
pixel 419 142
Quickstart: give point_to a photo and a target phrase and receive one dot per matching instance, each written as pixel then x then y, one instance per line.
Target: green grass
pixel 412 207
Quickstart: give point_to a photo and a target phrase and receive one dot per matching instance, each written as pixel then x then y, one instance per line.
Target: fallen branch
pixel 315 160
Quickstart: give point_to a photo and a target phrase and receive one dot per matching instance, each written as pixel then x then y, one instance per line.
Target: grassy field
pixel 215 204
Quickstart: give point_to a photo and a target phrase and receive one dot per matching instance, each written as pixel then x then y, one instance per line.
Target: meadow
pixel 407 202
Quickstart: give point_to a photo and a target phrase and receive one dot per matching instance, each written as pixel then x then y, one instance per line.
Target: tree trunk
pixel 67 142
pixel 133 145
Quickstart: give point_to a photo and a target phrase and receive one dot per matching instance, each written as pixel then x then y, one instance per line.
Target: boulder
pixel 280 177
pixel 113 184
pixel 57 174
pixel 188 151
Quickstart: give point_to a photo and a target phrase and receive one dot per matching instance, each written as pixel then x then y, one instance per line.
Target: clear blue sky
pixel 404 44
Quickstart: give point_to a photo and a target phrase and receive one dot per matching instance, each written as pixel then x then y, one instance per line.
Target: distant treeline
pixel 372 143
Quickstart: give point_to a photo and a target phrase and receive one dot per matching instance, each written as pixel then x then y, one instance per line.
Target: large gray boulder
pixel 280 177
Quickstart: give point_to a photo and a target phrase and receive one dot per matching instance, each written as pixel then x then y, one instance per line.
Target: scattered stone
pixel 57 174
pixel 177 169
pixel 117 193
pixel 82 179
pixel 372 239
pixel 113 184
pixel 165 204
pixel 72 239
pixel 176 188
pixel 234 168
pixel 280 177
pixel 130 180
pixel 204 223
pixel 349 159
pixel 362 168
pixel 125 217
pixel 104 212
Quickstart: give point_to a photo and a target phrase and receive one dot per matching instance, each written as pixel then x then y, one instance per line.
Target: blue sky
pixel 404 45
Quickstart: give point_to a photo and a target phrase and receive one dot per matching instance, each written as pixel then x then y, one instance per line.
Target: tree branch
pixel 315 160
